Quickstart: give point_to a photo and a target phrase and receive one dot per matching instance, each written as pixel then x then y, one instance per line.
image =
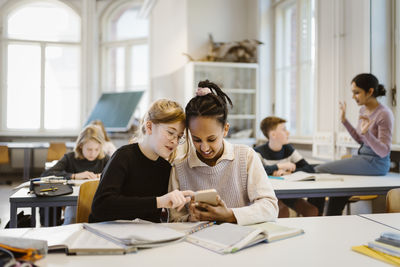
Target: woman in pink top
pixel 373 133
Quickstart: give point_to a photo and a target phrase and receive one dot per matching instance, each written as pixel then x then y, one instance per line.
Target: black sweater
pixel 69 164
pixel 129 186
pixel 286 153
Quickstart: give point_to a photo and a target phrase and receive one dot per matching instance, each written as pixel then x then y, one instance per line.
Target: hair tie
pixel 201 91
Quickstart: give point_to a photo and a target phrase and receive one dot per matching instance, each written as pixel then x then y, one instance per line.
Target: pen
pixel 276 177
pixel 48 189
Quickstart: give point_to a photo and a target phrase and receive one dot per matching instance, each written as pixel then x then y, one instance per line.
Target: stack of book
pixel 385 248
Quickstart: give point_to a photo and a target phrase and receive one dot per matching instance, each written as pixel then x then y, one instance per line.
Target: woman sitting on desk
pixel 373 133
pixel 86 162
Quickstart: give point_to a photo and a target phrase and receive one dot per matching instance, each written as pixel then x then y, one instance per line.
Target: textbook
pixel 275 232
pixel 229 238
pixel 140 234
pixel 390 238
pixel 305 176
pixel 72 239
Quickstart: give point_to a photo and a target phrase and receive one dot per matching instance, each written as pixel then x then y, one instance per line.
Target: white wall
pixel 226 20
pixel 182 26
pixel 168 37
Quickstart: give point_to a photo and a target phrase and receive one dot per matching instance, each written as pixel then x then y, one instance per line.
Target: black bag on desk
pixel 52 189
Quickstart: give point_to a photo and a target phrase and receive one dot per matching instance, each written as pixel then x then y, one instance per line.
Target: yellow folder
pixel 377 255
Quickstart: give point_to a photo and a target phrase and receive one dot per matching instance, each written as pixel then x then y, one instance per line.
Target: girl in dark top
pixel 86 162
pixel 134 183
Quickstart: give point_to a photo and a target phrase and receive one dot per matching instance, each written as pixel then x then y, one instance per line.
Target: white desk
pixel 28 148
pixel 389 219
pixel 327 242
pixel 351 185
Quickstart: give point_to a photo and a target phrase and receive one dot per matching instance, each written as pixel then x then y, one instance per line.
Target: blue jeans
pixel 69 215
pixel 367 162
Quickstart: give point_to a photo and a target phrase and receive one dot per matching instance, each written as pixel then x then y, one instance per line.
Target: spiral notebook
pixel 189 227
pixel 138 234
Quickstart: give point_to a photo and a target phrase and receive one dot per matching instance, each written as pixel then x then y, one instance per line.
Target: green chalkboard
pixel 116 110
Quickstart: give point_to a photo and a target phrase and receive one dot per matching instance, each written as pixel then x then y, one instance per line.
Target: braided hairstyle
pixel 214 104
pixel 366 81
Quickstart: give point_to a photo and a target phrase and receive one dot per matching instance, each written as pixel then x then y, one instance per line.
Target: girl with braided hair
pixel 245 196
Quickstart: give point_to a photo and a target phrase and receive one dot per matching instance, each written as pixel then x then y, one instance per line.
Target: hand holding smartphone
pixel 208 196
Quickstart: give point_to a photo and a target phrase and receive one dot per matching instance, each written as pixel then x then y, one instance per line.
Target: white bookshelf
pixel 240 82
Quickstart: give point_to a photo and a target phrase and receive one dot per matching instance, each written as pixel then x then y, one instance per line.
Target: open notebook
pixel 305 176
pixel 230 238
pixel 73 239
pixel 135 233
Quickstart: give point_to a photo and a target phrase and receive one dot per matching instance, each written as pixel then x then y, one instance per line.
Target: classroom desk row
pixel 351 185
pixel 28 148
pixel 327 241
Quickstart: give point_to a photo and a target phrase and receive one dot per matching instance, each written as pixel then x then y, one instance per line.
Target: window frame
pixel 127 45
pixel 105 45
pixel 6 9
pixel 301 62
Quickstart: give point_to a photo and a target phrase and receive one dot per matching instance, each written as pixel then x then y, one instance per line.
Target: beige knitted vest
pixel 228 177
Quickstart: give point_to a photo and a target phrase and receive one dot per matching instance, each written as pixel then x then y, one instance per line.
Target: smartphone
pixel 208 196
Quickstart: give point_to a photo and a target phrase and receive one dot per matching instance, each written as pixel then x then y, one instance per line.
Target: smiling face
pixel 165 137
pixel 359 95
pixel 91 150
pixel 207 135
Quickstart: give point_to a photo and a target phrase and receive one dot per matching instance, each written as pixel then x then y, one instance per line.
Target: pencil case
pixel 52 189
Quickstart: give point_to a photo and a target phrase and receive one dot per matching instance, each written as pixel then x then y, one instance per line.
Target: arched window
pixel 125 59
pixel 42 63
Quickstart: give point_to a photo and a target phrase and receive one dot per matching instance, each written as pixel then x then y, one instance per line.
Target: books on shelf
pixel 230 238
pixel 305 176
pixel 140 234
pixel 385 248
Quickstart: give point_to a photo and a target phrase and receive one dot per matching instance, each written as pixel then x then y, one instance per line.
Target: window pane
pixel 140 66
pixel 127 25
pixel 116 69
pixel 23 87
pixel 62 87
pixel 44 21
pixel 286 72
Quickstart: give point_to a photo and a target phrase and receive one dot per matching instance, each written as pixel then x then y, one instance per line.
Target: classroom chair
pixel 85 199
pixel 4 155
pixel 393 200
pixel 56 151
pixel 355 199
pixel 5 158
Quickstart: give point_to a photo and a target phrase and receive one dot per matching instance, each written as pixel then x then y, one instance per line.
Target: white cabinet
pixel 240 82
